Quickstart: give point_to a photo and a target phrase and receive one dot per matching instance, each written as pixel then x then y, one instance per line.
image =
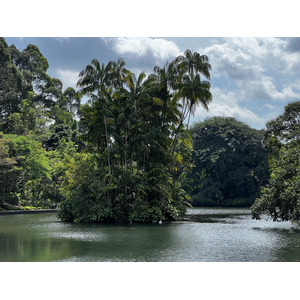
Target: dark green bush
pixel 11 198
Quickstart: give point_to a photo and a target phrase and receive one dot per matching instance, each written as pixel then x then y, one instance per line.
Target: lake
pixel 210 235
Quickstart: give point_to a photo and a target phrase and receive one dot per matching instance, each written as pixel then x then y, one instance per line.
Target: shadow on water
pixel 217 215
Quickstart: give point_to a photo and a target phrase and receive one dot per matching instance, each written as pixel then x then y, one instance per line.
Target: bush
pixel 64 211
pixel 145 214
pixel 12 198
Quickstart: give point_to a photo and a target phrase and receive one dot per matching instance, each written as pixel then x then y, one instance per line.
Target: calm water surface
pixel 211 235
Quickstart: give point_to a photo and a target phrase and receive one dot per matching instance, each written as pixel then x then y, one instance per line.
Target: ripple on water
pixel 79 236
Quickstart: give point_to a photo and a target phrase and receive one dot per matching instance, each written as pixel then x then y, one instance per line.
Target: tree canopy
pixel 37 119
pixel 230 162
pixel 280 197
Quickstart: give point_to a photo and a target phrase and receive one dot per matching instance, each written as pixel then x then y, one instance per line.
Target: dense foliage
pixel 231 163
pixel 138 149
pixel 38 129
pixel 285 129
pixel 280 198
pixel 121 157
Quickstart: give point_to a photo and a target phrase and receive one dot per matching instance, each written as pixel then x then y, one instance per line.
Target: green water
pixel 210 235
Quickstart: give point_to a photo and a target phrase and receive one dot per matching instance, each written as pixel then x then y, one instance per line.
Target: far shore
pixel 32 211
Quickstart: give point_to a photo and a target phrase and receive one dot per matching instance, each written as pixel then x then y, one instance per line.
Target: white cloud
pixel 237 56
pixel 161 49
pixel 292 62
pixel 269 106
pixel 240 113
pixel 256 66
pixel 265 89
pixel 68 77
pixel 296 84
pixel 226 104
pixel 62 39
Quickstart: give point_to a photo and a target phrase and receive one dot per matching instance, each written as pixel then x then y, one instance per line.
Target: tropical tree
pixel 191 89
pixel 33 66
pixel 12 85
pixel 30 119
pixel 23 77
pixel 31 165
pixel 38 121
pixel 280 197
pixel 285 129
pixel 130 123
pixel 70 101
pixel 231 163
pixel 8 173
pixel 97 78
pixel 161 83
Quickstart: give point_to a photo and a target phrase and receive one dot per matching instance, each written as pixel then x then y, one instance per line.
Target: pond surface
pixel 211 235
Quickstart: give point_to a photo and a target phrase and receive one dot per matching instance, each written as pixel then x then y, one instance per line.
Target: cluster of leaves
pixel 24 165
pixel 231 163
pixel 37 121
pixel 280 198
pixel 285 129
pixel 138 148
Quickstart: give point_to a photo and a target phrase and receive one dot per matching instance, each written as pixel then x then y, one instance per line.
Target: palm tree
pixel 161 83
pixel 97 78
pixel 192 93
pixel 191 89
pixel 119 73
pixel 136 94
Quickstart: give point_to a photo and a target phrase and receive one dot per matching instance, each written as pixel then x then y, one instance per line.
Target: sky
pixel 252 78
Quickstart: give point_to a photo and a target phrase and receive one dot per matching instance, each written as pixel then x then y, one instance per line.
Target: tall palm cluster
pixel 136 129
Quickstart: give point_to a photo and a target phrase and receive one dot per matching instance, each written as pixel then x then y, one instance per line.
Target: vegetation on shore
pixel 7 207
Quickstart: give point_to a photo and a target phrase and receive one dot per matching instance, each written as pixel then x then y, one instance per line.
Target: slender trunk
pixel 107 144
pixel 184 115
pixel 105 126
pixel 125 163
pixel 188 120
pixel 23 186
pixel 144 162
pixel 175 142
pixel 131 162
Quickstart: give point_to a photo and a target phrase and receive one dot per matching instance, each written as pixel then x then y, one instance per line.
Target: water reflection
pixel 209 235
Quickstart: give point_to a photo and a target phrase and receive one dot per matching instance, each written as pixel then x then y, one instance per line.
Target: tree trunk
pixel 107 145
